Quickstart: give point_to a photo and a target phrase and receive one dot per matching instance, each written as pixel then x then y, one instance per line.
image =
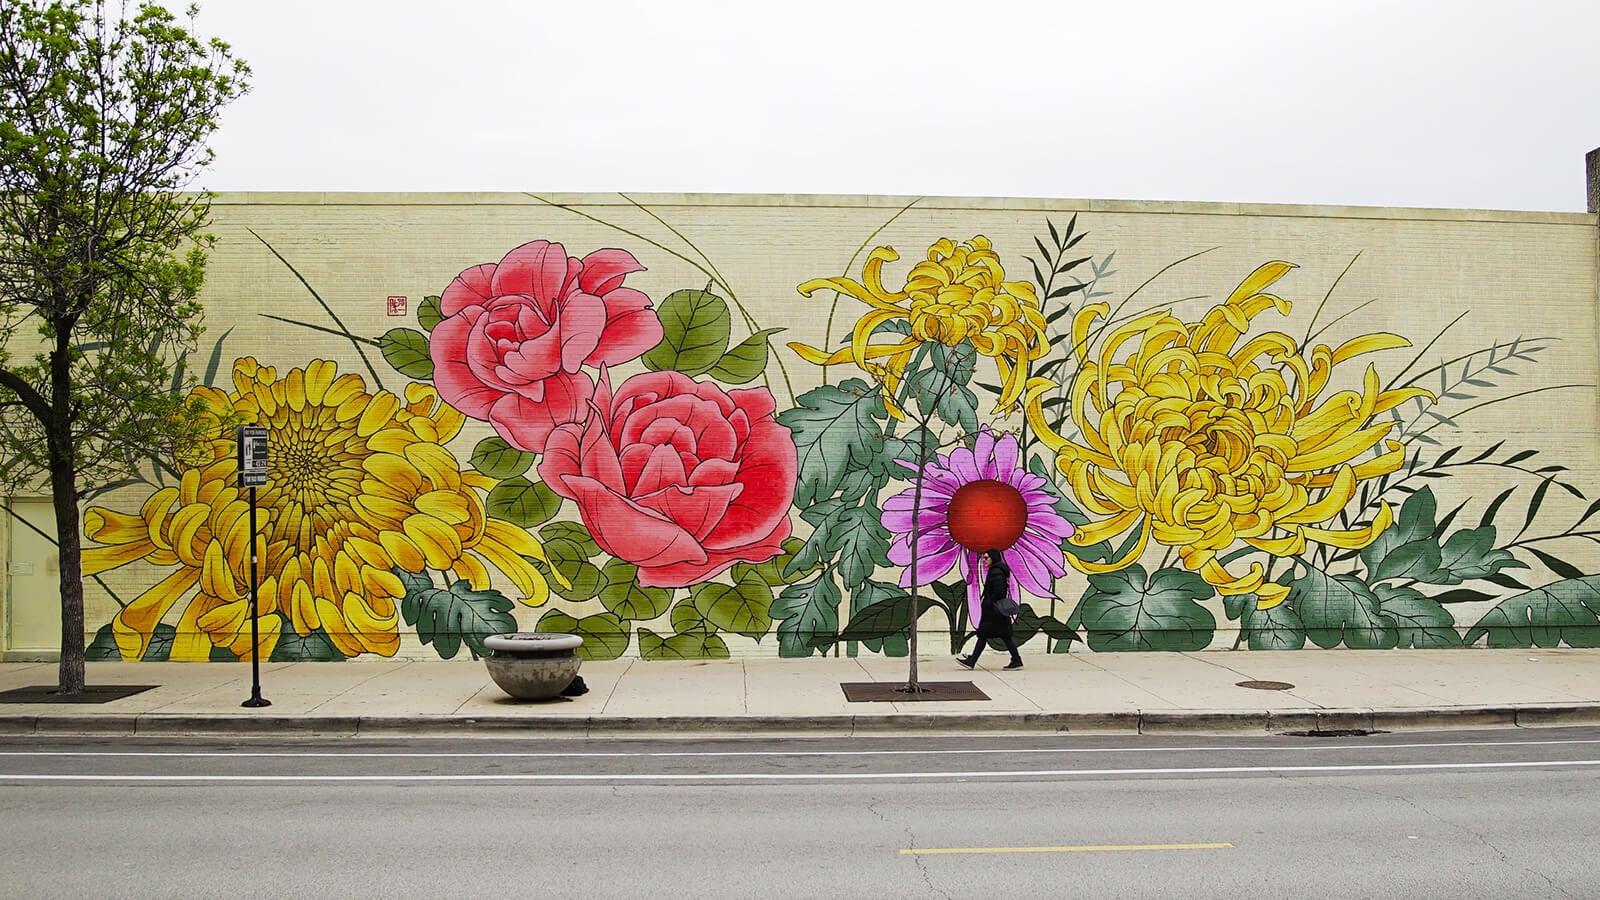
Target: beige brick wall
pixel 1506 274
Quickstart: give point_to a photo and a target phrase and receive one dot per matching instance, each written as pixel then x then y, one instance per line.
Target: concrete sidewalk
pixel 1333 690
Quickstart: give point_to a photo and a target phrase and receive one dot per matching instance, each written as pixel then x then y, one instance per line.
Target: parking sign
pixel 252 456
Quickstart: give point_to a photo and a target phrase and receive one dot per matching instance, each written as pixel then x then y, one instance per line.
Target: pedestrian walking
pixel 997 611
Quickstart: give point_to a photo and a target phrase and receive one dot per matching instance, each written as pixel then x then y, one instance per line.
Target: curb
pixel 1156 721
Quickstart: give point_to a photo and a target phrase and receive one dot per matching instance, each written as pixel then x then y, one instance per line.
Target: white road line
pixel 819 776
pixel 671 754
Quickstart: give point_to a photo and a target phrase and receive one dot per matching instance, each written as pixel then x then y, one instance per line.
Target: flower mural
pixel 516 333
pixel 680 478
pixel 364 490
pixel 974 500
pixel 630 468
pixel 1201 437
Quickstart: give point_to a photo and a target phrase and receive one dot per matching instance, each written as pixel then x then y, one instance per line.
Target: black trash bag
pixel 576 688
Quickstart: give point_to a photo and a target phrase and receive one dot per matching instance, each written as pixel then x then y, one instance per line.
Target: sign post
pixel 252 474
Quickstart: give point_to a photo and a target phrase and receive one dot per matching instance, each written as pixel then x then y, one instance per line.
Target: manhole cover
pixel 1267 685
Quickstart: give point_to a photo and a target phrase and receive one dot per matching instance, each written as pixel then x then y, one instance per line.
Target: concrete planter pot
pixel 533 665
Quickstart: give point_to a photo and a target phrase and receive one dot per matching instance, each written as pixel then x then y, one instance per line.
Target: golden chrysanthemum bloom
pixel 1200 440
pixel 958 294
pixel 360 485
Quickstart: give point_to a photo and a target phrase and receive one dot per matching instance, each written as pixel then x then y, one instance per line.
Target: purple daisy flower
pixel 976 500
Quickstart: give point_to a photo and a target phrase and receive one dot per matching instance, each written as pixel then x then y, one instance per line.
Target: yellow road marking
pixel 1090 848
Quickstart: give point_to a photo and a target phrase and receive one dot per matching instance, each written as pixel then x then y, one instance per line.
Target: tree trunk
pixel 912 687
pixel 63 491
pixel 64 494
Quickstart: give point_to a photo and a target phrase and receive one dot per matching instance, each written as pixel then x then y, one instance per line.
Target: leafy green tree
pixel 104 123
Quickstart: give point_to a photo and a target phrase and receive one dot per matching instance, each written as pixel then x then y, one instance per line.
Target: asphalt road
pixel 1466 814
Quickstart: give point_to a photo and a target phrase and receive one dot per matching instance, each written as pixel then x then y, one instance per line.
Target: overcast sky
pixel 1430 103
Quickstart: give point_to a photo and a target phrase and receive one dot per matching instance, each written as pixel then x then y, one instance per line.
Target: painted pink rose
pixel 677 476
pixel 516 333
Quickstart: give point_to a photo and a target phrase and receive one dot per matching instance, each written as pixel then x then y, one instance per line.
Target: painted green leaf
pixel 772 571
pixel 686 617
pixel 1463 595
pixel 874 593
pixel 1234 605
pixel 941 387
pixel 160 647
pixel 954 599
pixel 572 561
pixel 1129 610
pixel 574 532
pixel 861 542
pixel 886 617
pixel 746 361
pixel 448 618
pixel 1278 628
pixel 1419 621
pixel 739 608
pixel 819 548
pixel 906 447
pixel 835 429
pixel 820 512
pixel 1408 549
pixel 1554 563
pixel 406 349
pixel 627 598
pixel 104 645
pixel 1417 560
pixel 1470 554
pixel 1340 609
pixel 808 616
pixel 1415 523
pixel 1030 623
pixel 897 645
pixel 314 647
pixel 414 581
pixel 859 484
pixel 694 327
pixel 214 361
pixel 694 645
pixel 877 595
pixel 604 635
pixel 499 460
pixel 1544 617
pixel 521 502
pixel 428 313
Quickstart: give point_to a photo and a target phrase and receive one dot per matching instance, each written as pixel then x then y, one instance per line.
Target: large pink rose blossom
pixel 676 476
pixel 516 333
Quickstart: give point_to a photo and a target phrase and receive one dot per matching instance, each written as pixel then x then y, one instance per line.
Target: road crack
pixel 911 844
pixel 1480 837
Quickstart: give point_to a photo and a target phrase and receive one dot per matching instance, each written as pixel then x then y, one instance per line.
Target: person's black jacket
pixel 993 623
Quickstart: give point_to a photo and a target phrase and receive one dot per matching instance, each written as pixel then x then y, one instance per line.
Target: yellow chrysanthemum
pixel 958 294
pixel 360 485
pixel 1200 440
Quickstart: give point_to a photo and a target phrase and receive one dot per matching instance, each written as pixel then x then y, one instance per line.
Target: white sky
pixel 1431 103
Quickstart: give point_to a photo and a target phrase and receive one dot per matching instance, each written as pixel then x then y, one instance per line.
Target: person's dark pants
pixel 1011 644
